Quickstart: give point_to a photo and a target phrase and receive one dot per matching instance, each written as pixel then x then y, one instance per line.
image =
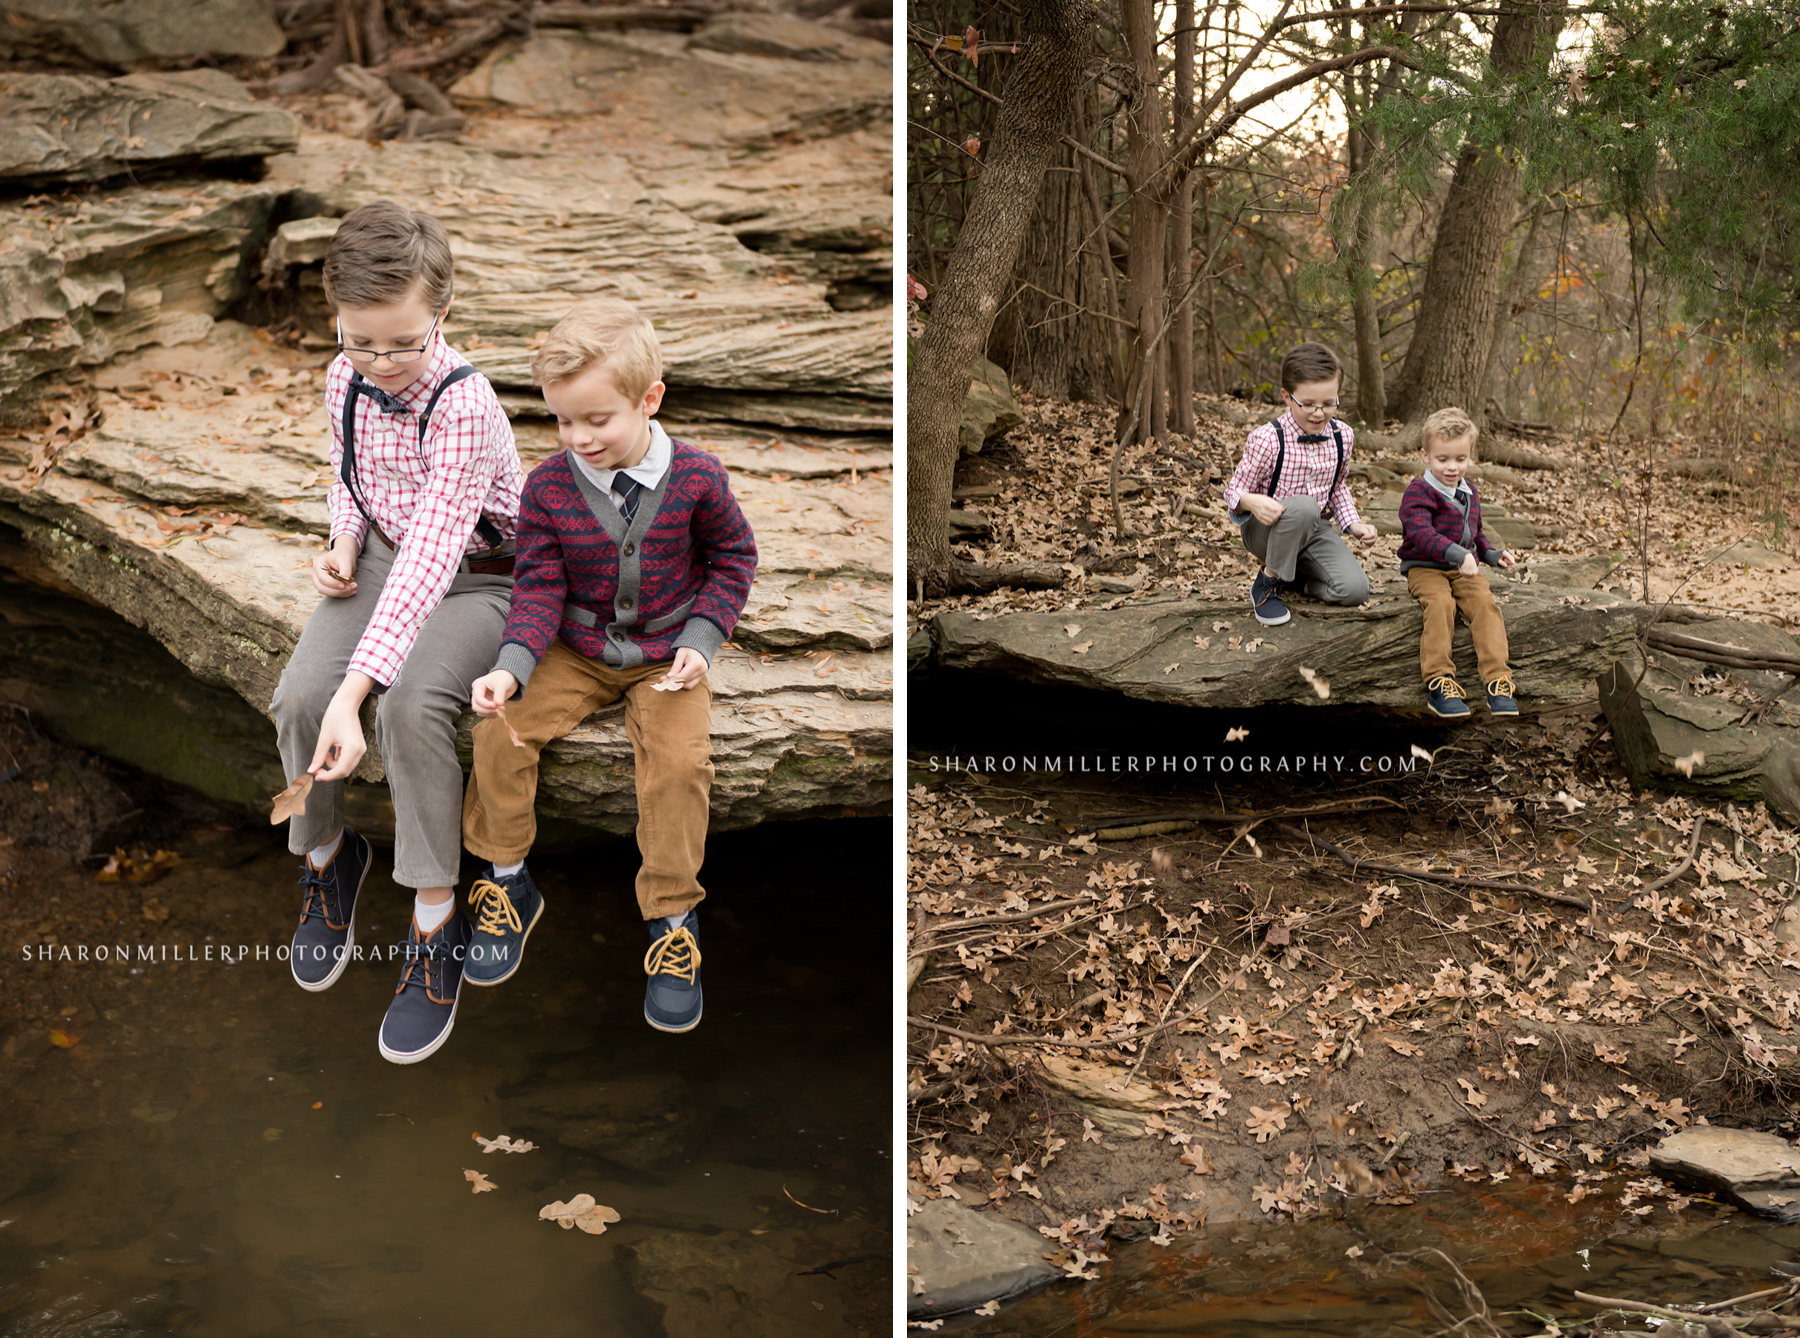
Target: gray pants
pixel 415 719
pixel 1305 545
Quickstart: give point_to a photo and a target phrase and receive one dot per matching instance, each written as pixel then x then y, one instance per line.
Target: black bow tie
pixel 1315 436
pixel 386 402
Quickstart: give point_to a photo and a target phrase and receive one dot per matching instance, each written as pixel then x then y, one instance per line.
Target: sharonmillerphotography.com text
pixel 1177 764
pixel 138 955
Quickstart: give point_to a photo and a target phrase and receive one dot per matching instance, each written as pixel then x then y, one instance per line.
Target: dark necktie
pixel 628 488
pixel 1462 499
pixel 386 402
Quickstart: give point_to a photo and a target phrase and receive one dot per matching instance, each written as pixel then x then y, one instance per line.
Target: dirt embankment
pixel 1224 1019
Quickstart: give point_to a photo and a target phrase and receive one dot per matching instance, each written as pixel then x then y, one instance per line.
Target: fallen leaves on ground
pixel 137 866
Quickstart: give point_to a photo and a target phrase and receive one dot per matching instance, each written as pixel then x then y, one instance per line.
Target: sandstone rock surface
pixel 1666 708
pixel 958 1259
pixel 1757 1171
pixel 122 34
pixel 195 513
pixel 74 127
pixel 1369 655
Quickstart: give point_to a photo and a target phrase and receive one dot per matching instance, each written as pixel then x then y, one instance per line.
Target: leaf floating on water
pixel 504 1143
pixel 291 801
pixel 1686 765
pixel 63 1040
pixel 1322 686
pixel 137 866
pixel 481 1182
pixel 580 1211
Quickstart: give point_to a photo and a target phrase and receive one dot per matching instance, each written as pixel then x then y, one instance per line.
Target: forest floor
pixel 1217 1017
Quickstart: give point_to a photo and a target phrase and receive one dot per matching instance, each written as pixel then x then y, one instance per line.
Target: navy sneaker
pixel 1264 601
pixel 1445 698
pixel 1501 695
pixel 672 995
pixel 419 1019
pixel 1292 589
pixel 327 930
pixel 504 910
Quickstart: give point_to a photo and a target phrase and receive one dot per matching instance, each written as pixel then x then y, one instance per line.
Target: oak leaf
pixel 480 1182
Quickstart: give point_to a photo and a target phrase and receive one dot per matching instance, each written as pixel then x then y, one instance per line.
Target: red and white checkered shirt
pixel 425 500
pixel 1308 470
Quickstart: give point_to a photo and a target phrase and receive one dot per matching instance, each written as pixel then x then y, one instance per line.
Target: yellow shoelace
pixel 1446 685
pixel 1501 687
pixel 676 953
pixel 497 912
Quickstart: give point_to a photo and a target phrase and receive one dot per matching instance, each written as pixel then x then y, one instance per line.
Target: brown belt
pixel 492 563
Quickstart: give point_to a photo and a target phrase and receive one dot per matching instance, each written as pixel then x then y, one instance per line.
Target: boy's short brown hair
pixel 1309 362
pixel 382 253
pixel 1450 424
pixel 602 329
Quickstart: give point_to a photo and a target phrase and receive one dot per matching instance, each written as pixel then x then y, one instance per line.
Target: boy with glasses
pixel 416 581
pixel 1289 496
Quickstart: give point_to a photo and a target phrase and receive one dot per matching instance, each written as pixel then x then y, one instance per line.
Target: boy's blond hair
pixel 1450 424
pixel 602 330
pixel 382 252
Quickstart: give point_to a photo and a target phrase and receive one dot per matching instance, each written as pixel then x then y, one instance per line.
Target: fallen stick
pixel 1111 1043
pixel 1681 868
pixel 1427 875
pixel 1715 1327
pixel 1314 811
pixel 1168 828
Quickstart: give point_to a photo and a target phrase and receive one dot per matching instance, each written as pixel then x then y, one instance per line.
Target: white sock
pixel 323 854
pixel 507 870
pixel 432 914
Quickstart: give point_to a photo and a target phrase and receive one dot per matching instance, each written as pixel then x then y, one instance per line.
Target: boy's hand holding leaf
pixel 489 694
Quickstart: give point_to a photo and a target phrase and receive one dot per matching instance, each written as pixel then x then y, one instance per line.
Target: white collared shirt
pixel 1467 492
pixel 648 471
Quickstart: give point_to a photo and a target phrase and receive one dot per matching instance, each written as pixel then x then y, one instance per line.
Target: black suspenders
pixel 1337 478
pixel 486 528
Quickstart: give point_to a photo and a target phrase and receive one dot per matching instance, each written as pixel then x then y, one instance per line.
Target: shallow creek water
pixel 225 1154
pixel 1523 1246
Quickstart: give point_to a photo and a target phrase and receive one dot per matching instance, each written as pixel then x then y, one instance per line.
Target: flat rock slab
pixel 196 515
pixel 734 1284
pixel 58 128
pixel 1671 734
pixel 741 335
pixel 86 278
pixel 1757 1171
pixel 123 34
pixel 1211 652
pixel 958 1259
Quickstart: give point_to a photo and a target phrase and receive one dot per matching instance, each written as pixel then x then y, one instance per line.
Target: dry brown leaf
pixel 1236 735
pixel 580 1211
pixel 291 801
pixel 1322 686
pixel 511 733
pixel 481 1182
pixel 1686 765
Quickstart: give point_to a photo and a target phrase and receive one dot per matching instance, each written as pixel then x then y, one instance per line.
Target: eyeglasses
pixel 1313 408
pixel 400 357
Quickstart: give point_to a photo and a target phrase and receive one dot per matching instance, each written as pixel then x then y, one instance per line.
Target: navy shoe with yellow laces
pixel 672 999
pixel 503 911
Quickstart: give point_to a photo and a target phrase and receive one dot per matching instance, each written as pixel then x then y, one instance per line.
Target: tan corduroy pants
pixel 1441 594
pixel 671 740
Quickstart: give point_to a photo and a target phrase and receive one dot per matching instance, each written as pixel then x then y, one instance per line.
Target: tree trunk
pixel 1145 412
pixel 1039 96
pixel 1181 235
pixel 1448 357
pixel 1513 300
pixel 1050 335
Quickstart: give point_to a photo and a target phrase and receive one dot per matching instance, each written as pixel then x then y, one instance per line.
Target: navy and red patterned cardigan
pixel 678 577
pixel 1433 531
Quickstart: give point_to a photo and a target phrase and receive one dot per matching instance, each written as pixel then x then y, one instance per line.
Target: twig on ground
pixel 1687 863
pixel 1428 875
pixel 1056 1043
pixel 1715 1327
